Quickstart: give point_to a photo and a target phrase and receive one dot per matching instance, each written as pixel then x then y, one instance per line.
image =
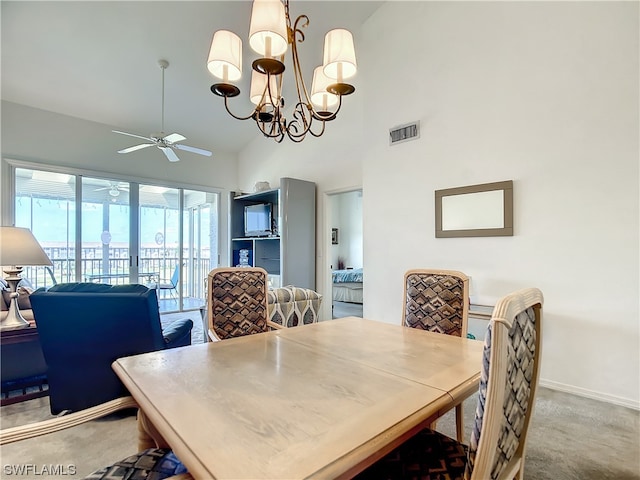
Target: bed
pixel 347 285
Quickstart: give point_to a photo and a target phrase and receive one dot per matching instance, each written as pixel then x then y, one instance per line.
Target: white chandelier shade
pixel 339 59
pixel 259 94
pixel 319 94
pixel 225 56
pixel 268 28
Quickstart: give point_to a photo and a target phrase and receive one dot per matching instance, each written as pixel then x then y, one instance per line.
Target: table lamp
pixel 18 246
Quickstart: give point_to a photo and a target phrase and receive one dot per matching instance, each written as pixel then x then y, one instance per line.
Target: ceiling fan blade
pixel 199 151
pixel 171 155
pixel 132 135
pixel 174 137
pixel 136 147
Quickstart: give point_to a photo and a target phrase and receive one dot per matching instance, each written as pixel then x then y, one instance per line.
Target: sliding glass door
pixel 44 202
pixel 124 232
pixel 200 241
pixel 105 234
pixel 159 252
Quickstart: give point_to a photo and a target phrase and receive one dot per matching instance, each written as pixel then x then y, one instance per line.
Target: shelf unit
pixel 288 255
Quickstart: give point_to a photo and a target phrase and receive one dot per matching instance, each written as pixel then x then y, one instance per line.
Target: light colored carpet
pixel 82 449
pixel 347 309
pixel 571 438
pixel 78 451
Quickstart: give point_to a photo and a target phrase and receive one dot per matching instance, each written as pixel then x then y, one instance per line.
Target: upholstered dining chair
pixel 509 378
pixel 152 464
pixel 438 301
pixel 237 302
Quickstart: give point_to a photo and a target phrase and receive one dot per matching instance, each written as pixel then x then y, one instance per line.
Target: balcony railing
pixel 111 265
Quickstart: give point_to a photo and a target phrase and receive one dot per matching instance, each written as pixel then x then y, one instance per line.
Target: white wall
pixel 542 93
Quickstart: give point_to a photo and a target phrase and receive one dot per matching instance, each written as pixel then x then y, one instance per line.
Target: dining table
pixel 323 400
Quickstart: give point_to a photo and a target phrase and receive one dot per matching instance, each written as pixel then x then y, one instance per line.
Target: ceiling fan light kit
pixel 114 189
pixel 166 143
pixel 270 34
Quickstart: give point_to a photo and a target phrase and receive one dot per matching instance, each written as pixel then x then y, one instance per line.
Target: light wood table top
pixel 442 363
pixel 321 400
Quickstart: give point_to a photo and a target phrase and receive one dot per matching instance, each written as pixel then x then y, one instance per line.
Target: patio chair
pixel 510 370
pixel 237 302
pixel 171 284
pixel 437 301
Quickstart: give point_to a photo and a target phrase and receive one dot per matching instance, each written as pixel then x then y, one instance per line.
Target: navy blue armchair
pixel 84 327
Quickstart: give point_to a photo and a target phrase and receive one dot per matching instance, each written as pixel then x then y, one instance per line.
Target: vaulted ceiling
pixel 98 61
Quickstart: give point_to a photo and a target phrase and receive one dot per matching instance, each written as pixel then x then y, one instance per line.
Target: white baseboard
pixel 583 392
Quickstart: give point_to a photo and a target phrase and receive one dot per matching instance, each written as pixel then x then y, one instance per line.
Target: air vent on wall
pixel 404 133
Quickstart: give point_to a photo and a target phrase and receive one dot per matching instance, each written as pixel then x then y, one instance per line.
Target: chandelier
pixel 270 34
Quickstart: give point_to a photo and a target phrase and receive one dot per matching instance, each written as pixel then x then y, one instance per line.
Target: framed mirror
pixel 484 210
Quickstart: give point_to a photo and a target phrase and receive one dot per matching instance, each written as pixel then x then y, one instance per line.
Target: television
pixel 257 220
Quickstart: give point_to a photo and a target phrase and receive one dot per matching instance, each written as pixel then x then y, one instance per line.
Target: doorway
pixel 345 253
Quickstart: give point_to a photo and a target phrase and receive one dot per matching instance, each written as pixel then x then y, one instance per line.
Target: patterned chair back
pixel 237 303
pixel 293 306
pixel 436 300
pixel 507 387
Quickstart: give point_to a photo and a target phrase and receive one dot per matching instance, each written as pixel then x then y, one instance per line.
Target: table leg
pixel 459 423
pixel 148 435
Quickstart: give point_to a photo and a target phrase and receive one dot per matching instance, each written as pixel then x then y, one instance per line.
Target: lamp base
pixel 14 320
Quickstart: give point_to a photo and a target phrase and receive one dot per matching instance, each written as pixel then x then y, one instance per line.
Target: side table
pixel 22 366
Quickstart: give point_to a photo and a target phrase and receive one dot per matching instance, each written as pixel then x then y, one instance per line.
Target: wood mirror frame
pixel 500 223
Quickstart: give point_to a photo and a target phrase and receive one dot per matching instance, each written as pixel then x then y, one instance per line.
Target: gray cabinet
pixel 287 250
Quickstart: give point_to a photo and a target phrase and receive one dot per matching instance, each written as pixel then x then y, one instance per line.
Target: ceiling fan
pixel 166 143
pixel 114 189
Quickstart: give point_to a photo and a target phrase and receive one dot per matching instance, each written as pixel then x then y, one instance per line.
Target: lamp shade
pixel 18 247
pixel 268 29
pixel 319 94
pixel 258 86
pixel 339 59
pixel 225 56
